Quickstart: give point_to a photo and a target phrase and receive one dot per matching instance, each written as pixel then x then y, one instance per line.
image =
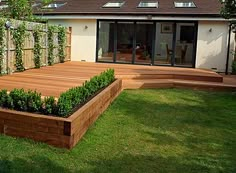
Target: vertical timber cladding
pixel 56 131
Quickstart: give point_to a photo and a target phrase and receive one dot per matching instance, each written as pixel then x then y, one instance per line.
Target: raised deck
pixel 52 81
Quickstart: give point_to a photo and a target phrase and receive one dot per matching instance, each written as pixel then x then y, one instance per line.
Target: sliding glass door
pixel 105 51
pixel 184 44
pixel 125 42
pixel 164 43
pixel 144 45
pixel 147 42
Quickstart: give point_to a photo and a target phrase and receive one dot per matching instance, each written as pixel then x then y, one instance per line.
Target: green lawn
pixel 159 131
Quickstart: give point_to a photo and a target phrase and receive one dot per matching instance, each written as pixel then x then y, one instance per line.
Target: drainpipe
pixel 228 51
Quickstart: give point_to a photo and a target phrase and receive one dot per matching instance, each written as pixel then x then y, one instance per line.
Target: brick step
pixel 191 77
pixel 175 83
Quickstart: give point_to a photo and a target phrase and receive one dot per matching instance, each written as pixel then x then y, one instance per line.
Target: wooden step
pixel 175 83
pixel 172 76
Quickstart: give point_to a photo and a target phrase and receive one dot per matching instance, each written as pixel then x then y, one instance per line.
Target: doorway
pixel 147 43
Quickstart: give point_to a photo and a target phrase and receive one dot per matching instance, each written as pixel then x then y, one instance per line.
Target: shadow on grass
pixel 35 164
pixel 149 164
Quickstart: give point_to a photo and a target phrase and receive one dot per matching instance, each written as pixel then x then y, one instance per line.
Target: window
pixel 148 4
pixel 184 5
pixel 53 5
pixel 113 5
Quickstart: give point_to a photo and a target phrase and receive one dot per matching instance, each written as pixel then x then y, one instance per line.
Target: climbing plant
pixel 51 30
pixel 37 46
pixel 19 9
pixel 61 43
pixel 19 35
pixel 2 43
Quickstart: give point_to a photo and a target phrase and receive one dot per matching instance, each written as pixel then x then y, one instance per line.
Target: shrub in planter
pixel 34 101
pixel 64 104
pixel 234 67
pixel 70 99
pixel 48 106
pixel 18 100
pixel 3 98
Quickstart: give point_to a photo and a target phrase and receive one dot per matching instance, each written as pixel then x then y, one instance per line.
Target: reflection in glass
pixel 144 36
pixel 164 42
pixel 184 44
pixel 106 41
pixel 125 38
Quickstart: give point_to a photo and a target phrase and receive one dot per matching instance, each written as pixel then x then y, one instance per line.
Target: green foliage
pixel 72 98
pixel 143 131
pixel 49 106
pixel 19 35
pixel 37 46
pixel 51 30
pixel 234 67
pixel 61 43
pixel 30 101
pixel 228 9
pixel 19 99
pixel 3 98
pixel 64 104
pixel 34 101
pixel 19 9
pixel 2 43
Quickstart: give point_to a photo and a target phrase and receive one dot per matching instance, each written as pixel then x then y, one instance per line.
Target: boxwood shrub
pixel 72 98
pixel 20 100
pixel 31 101
pixel 49 106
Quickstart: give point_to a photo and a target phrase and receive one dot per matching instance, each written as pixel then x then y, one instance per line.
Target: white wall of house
pixel 83 38
pixel 212 45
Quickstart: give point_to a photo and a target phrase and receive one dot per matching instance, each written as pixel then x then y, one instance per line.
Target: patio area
pixel 53 80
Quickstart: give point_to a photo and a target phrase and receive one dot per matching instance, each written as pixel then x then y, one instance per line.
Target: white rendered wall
pixel 83 38
pixel 212 45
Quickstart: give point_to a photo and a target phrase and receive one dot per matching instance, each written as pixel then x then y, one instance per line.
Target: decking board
pixel 53 80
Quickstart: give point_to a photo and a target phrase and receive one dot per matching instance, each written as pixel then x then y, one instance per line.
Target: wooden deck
pixel 52 81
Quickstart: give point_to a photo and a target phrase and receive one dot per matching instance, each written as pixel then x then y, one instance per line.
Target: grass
pixel 159 131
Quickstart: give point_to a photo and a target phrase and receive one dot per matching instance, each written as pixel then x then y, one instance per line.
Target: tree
pixel 19 9
pixel 228 9
pixel 22 9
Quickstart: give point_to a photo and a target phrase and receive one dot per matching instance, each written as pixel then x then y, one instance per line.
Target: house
pixel 180 33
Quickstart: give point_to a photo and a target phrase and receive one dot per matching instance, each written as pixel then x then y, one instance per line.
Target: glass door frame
pixel 153 42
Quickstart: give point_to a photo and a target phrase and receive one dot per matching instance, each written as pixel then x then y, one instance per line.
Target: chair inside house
pixel 169 53
pixel 180 53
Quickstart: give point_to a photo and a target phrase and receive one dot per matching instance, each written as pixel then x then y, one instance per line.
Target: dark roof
pixel 166 7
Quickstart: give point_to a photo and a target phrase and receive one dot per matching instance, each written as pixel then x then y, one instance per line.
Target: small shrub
pixel 3 98
pixel 34 101
pixel 31 101
pixel 78 95
pixel 48 106
pixel 64 104
pixel 18 100
pixel 234 67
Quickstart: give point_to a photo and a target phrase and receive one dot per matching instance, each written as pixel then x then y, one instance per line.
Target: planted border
pixel 57 131
pixel 68 102
pixel 84 103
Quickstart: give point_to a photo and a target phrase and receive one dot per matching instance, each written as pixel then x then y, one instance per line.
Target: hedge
pixel 31 101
